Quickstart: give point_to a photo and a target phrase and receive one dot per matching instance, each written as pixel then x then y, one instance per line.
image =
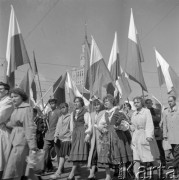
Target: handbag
pixel 166 145
pixel 36 160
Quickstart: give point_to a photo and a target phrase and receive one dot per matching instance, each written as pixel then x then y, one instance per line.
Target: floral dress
pixel 115 148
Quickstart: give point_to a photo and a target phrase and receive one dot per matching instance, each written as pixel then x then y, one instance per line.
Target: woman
pixel 115 149
pixel 80 126
pixel 23 135
pixel 95 146
pixel 62 138
pixel 143 141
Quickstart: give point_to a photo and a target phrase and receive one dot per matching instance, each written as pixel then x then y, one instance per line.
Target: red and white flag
pixel 73 91
pixel 16 53
pixel 134 55
pixel 119 76
pixel 98 72
pixel 29 87
pixel 166 73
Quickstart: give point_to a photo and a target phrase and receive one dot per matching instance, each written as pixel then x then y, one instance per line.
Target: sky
pixel 55 30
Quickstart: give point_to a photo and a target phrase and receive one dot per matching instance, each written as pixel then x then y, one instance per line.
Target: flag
pixel 114 61
pixel 123 85
pixel 59 89
pixel 120 77
pixel 73 91
pixel 29 87
pixel 134 56
pixel 16 53
pixel 34 67
pixel 87 51
pixel 114 66
pixel 168 74
pixel 98 72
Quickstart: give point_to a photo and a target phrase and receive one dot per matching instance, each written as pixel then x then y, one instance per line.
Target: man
pixel 156 116
pixel 6 109
pixel 52 119
pixel 171 129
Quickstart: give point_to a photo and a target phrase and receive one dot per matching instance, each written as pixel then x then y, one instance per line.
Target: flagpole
pixel 161 94
pixel 44 95
pixel 40 91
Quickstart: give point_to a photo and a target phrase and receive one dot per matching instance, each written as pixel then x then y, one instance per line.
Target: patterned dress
pixel 115 148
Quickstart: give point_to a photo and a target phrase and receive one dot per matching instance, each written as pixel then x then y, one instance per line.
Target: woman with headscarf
pixel 80 126
pixel 95 146
pixel 144 145
pixel 23 136
pixel 115 149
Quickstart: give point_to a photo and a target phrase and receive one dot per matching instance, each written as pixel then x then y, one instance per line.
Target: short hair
pixel 147 100
pixel 174 98
pixel 20 92
pixel 63 105
pixel 6 86
pixel 128 105
pixel 80 99
pixel 140 99
pixel 110 98
pixel 97 101
pixel 54 100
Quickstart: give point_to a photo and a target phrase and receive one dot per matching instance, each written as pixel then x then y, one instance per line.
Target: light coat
pixel 6 109
pixel 22 138
pixel 143 128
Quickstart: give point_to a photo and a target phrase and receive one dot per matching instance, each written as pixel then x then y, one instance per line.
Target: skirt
pixel 65 149
pixel 115 149
pixel 79 148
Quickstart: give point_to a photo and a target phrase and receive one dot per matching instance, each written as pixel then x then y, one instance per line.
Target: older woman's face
pixel 16 99
pixel 138 103
pixel 107 104
pixel 77 103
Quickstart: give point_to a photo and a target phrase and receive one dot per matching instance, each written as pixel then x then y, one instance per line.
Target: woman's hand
pixel 149 139
pixel 34 149
pixel 55 139
pixel 87 138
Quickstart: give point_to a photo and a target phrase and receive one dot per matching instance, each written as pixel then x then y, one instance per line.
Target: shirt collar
pixel 174 109
pixel 139 112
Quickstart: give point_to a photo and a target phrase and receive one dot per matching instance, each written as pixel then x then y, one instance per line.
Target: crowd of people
pixel 104 135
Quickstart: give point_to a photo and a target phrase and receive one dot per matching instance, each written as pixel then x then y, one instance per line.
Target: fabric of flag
pixel 167 73
pixel 29 87
pixel 87 49
pixel 16 53
pixel 59 89
pixel 123 85
pixel 73 91
pixel 119 76
pixel 159 70
pixel 34 67
pixel 98 73
pixel 114 67
pixel 134 56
